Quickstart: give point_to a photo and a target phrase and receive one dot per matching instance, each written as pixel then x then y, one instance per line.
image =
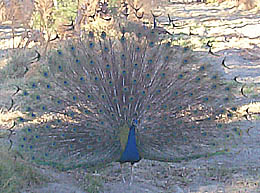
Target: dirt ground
pixel 235 35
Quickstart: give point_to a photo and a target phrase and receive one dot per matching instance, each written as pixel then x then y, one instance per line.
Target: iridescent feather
pixel 90 91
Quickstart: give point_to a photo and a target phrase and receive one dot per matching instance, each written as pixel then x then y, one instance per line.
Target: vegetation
pixel 16 174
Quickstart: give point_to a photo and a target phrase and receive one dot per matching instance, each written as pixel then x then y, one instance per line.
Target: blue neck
pixel 130 153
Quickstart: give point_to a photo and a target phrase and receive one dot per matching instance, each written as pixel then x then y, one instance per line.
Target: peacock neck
pixel 130 153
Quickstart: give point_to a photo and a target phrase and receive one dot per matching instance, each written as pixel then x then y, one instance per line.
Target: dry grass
pixel 244 4
pixel 16 175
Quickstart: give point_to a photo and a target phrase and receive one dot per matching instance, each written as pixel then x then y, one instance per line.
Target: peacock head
pixel 134 122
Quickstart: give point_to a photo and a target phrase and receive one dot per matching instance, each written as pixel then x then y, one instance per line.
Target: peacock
pixel 136 95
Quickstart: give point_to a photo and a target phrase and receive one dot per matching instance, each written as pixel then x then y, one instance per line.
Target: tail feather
pixel 89 92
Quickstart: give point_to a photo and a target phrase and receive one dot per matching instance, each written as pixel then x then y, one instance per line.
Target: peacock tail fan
pixel 81 104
